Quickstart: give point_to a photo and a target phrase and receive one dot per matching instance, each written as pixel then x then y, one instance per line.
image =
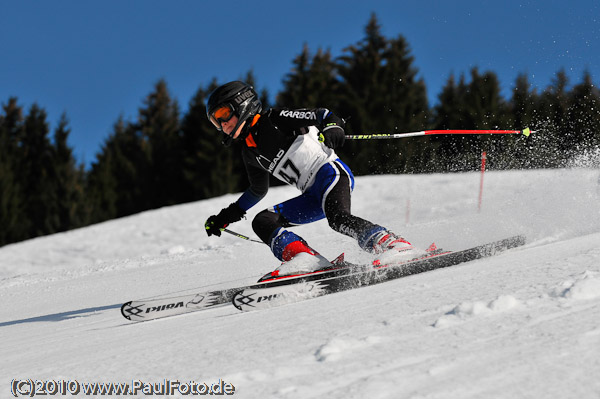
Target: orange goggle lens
pixel 221 114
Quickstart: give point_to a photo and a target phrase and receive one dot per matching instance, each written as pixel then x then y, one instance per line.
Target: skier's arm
pixel 233 213
pixel 253 195
pixel 259 182
pixel 259 185
pixel 332 129
pixel 216 223
pixel 299 120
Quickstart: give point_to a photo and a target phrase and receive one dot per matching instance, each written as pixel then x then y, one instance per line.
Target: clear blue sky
pixel 98 60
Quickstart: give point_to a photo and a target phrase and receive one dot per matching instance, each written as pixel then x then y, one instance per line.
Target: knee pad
pixel 266 222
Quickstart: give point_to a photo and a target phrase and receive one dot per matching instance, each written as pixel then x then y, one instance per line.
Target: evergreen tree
pixel 405 107
pixel 448 111
pixel 160 172
pixel 114 180
pixel 69 180
pixel 584 116
pixel 262 94
pixel 380 92
pixel 39 190
pixel 486 107
pixel 361 71
pixel 312 82
pixel 140 166
pixel 101 183
pixel 451 112
pixel 11 199
pixel 523 103
pixel 210 168
pixel 194 130
pixel 476 105
pixel 488 110
pixel 551 121
pixel 521 152
pixel 10 211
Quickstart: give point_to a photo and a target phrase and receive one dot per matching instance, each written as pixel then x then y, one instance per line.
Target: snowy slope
pixel 525 324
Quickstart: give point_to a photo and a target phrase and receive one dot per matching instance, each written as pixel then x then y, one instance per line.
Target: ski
pixel 150 309
pixel 271 295
pixel 154 308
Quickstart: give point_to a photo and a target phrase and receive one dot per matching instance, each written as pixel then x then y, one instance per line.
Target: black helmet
pixel 241 99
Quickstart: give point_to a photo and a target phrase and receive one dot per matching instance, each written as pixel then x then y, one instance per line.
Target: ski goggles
pixel 222 114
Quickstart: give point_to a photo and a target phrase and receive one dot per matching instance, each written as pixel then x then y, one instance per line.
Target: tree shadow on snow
pixel 61 316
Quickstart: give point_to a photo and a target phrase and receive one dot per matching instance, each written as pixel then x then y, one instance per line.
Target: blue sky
pixel 98 60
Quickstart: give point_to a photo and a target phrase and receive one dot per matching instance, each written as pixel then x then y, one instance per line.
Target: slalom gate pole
pixel 526 132
pixel 483 160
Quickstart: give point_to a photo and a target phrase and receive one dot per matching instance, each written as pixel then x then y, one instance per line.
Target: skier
pixel 296 146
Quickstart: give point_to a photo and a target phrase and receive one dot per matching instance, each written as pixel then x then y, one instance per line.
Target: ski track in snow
pixel 523 324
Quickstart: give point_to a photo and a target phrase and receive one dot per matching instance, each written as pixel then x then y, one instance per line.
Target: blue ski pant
pixel 328 197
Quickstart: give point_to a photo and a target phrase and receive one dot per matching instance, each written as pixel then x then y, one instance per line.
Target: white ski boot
pixel 303 262
pixel 394 250
pixel 298 258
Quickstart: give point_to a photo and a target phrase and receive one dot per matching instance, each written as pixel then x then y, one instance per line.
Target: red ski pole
pixel 525 132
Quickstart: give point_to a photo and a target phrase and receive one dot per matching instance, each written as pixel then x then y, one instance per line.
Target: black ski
pixel 266 296
pixel 141 310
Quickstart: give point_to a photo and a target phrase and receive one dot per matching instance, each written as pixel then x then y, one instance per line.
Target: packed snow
pixel 523 324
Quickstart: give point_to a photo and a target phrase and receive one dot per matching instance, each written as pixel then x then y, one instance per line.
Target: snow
pixel 522 324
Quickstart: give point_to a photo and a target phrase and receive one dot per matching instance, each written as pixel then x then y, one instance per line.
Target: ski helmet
pixel 233 98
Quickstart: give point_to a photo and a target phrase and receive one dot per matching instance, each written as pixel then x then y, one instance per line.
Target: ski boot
pixel 393 249
pixel 298 258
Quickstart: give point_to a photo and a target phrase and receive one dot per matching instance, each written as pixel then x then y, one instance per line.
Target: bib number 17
pixel 289 172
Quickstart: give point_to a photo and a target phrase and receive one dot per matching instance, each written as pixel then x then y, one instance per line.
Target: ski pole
pixel 238 235
pixel 526 132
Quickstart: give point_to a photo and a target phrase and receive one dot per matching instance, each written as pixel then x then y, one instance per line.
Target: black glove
pixel 333 137
pixel 216 223
pixel 332 131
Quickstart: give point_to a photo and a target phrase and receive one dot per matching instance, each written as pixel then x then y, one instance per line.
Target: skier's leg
pixel 271 226
pixel 337 199
pixel 329 195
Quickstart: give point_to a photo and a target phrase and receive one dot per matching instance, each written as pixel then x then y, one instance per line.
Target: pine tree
pixel 114 185
pixel 451 112
pixel 160 175
pixel 69 179
pixel 519 151
pixel 360 71
pixel 405 107
pixel 551 122
pixel 101 182
pixel 36 174
pixel 10 211
pixel 210 168
pixel 523 103
pixel 584 115
pixel 476 105
pixel 380 92
pixel 489 111
pixel 11 199
pixel 311 83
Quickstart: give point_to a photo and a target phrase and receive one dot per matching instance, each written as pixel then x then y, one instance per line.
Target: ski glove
pixel 216 223
pixel 332 133
pixel 333 137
